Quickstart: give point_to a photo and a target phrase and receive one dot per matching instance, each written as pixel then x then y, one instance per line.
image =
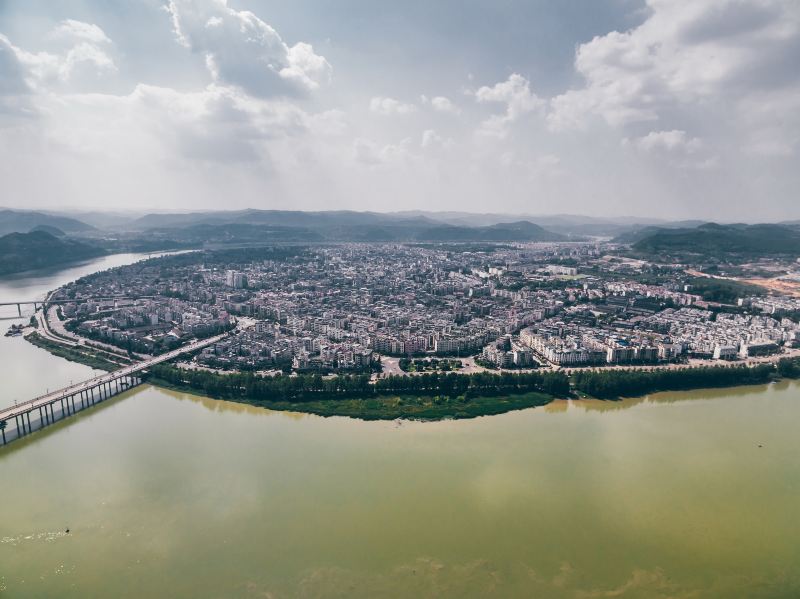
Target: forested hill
pixel 712 239
pixel 39 249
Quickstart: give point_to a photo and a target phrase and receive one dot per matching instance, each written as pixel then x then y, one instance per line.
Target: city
pixel 425 299
pixel 347 308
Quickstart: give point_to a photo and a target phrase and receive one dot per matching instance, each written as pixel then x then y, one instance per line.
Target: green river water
pixel 693 494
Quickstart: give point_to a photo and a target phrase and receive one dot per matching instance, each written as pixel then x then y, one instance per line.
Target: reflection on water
pixel 689 494
pixel 600 405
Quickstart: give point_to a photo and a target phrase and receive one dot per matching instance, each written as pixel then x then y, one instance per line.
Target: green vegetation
pixel 789 368
pixel 26 251
pixel 430 395
pixel 713 240
pixel 83 355
pixel 613 384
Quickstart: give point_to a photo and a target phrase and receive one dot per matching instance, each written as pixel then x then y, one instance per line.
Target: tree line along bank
pixel 601 384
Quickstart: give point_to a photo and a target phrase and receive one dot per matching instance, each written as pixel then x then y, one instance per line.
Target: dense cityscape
pixel 352 307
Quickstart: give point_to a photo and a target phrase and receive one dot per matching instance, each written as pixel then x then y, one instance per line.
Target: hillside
pixel 17 221
pixel 252 226
pixel 713 239
pixel 517 231
pixel 276 218
pixel 39 249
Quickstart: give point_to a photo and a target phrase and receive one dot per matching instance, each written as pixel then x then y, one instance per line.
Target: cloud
pixel 431 138
pixel 684 56
pixel 442 104
pixel 242 50
pixel 43 69
pixel 12 72
pixel 72 30
pixel 516 94
pixel 15 93
pixel 668 141
pixel 389 106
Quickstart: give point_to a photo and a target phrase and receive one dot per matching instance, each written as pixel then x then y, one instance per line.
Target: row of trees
pixel 789 367
pixel 300 388
pixel 612 384
pixel 603 384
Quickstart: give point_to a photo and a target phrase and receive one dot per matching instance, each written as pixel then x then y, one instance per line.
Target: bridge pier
pixel 88 394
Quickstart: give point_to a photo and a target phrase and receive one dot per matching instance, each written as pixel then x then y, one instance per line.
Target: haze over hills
pixel 343 229
pixel 156 230
pixel 19 221
pixel 39 249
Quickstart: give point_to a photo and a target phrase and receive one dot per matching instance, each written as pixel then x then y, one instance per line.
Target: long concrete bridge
pixel 79 300
pixel 35 414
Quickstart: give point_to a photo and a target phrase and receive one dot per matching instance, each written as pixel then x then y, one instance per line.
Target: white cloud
pixel 669 141
pixel 240 49
pixel 686 55
pixel 42 69
pixel 442 104
pixel 389 106
pixel 72 30
pixel 431 138
pixel 516 94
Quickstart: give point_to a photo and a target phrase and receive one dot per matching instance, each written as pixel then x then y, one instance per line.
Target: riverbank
pixel 456 396
pixel 431 396
pixel 403 407
pixel 80 354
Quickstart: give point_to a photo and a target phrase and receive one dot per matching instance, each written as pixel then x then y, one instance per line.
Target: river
pixel 691 494
pixel 25 370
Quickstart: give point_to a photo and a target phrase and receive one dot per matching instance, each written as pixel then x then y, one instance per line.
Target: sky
pixel 659 108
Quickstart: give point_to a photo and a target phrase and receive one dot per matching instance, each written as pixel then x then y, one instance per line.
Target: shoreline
pixel 429 405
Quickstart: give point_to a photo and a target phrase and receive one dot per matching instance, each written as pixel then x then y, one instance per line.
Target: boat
pixel 14 330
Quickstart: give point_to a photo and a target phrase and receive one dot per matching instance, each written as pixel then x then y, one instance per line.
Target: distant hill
pixel 712 239
pixel 54 231
pixel 281 218
pixel 248 226
pixel 517 231
pixel 27 251
pixel 18 221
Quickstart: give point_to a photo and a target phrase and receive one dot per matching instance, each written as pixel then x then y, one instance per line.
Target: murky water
pixel 692 494
pixel 682 495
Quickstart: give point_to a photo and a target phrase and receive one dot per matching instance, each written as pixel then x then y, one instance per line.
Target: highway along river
pixel 693 494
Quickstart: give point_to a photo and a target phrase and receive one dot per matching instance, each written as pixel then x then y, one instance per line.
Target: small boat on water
pixel 14 330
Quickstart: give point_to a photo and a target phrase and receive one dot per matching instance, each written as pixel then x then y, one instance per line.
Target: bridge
pixel 78 300
pixel 35 414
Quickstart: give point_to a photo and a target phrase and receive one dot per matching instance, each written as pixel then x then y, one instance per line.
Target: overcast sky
pixel 666 108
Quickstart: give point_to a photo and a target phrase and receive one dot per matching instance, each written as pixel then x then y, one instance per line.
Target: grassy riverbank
pixel 83 355
pixel 412 407
pixel 427 396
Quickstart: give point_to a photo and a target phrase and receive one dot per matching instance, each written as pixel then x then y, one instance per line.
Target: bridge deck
pixel 44 400
pixel 74 300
